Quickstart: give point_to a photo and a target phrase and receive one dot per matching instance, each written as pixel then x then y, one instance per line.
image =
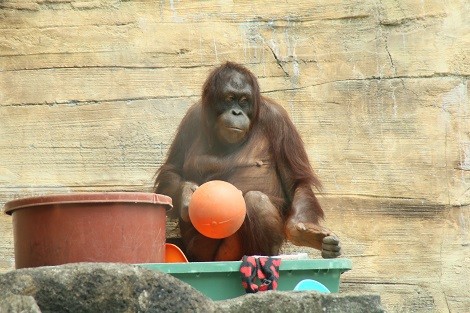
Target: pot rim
pixel 88 197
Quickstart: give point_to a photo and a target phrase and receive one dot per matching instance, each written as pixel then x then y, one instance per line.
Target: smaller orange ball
pixel 217 209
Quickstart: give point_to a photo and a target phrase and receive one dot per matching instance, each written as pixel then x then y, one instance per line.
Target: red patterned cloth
pixel 266 269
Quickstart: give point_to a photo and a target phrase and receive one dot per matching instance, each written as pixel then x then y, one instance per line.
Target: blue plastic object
pixel 311 285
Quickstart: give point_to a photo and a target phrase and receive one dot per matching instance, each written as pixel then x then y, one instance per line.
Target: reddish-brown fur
pixel 272 160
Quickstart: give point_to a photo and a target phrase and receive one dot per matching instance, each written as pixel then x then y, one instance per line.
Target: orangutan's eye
pixel 229 98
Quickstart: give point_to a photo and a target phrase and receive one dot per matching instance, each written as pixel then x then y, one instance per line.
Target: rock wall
pixel 91 93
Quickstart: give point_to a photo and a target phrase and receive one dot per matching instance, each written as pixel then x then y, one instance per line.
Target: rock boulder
pixel 111 287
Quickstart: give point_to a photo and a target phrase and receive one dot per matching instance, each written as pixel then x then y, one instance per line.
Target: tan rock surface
pixel 91 93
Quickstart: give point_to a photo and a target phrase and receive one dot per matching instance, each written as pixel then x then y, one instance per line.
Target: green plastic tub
pixel 222 280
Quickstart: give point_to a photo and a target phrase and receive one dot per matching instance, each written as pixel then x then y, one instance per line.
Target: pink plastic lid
pixel 89 197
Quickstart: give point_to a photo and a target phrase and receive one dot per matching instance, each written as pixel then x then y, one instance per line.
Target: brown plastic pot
pixel 126 227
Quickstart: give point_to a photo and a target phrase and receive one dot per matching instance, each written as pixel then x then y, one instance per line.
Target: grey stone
pixel 103 287
pixel 109 287
pixel 16 304
pixel 305 302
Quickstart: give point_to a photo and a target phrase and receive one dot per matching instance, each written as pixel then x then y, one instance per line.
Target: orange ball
pixel 217 209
